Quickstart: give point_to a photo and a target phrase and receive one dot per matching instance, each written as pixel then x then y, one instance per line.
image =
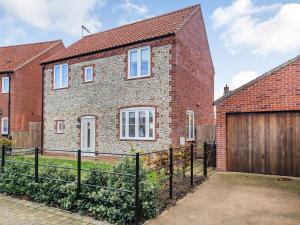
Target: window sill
pixel 60 88
pixel 138 78
pixel 190 140
pixel 137 139
pixel 86 82
pixel 59 132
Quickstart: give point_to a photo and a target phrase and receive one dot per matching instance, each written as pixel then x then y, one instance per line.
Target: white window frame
pixel 190 135
pixel 60 76
pixel 139 62
pixel 3 87
pixel 2 127
pixel 137 110
pixel 60 130
pixel 85 73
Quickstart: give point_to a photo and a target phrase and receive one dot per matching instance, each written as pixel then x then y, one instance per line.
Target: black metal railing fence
pixel 176 170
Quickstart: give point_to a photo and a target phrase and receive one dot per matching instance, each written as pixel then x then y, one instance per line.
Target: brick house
pixel 146 84
pixel 258 124
pixel 21 88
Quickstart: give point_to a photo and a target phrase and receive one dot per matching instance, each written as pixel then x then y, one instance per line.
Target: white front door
pixel 88 135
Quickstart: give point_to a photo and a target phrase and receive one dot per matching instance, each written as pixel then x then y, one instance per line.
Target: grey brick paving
pixel 20 212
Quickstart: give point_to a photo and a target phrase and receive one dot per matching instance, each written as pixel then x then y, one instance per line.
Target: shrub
pixel 109 196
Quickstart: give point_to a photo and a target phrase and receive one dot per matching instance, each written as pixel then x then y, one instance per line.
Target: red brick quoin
pixel 276 90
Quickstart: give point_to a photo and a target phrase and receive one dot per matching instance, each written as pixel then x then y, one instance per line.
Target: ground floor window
pixel 137 123
pixel 190 125
pixel 4 125
pixel 60 126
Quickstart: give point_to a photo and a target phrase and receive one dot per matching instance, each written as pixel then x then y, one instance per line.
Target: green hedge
pixel 109 204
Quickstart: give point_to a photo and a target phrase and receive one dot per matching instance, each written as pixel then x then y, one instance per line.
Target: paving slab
pixel 14 211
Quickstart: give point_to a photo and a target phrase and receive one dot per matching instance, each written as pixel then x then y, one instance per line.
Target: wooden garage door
pixel 264 143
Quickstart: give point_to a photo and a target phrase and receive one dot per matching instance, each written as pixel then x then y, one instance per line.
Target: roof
pixel 148 29
pixel 257 79
pixel 14 57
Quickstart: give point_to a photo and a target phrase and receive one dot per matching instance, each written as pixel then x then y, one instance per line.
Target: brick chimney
pixel 226 90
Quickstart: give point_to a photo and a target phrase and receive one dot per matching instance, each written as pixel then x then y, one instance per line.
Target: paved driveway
pixel 20 212
pixel 238 199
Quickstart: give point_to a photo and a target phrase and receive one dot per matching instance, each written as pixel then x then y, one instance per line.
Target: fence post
pixel 192 164
pixel 78 172
pixel 2 159
pixel 171 172
pixel 36 165
pixel 205 160
pixel 137 188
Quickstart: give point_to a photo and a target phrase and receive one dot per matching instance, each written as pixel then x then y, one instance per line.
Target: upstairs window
pixel 137 123
pixel 190 125
pixel 139 62
pixel 5 84
pixel 61 76
pixel 88 74
pixel 4 125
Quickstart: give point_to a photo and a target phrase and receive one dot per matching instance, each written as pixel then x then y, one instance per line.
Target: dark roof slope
pixel 14 57
pixel 257 79
pixel 143 30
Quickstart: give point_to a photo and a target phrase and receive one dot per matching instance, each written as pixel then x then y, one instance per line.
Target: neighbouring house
pixel 258 124
pixel 21 90
pixel 144 85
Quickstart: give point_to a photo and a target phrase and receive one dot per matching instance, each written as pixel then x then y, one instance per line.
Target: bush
pixel 109 196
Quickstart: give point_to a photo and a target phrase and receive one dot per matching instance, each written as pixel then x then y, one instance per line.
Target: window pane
pixel 64 76
pixel 6 85
pixel 151 124
pixel 142 124
pixel 187 125
pixel 57 77
pixel 133 63
pixel 123 122
pixel 145 61
pixel 88 74
pixel 131 124
pixel 4 125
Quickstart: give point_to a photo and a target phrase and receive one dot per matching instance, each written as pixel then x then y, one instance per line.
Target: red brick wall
pixel 192 77
pixel 26 93
pixel 279 91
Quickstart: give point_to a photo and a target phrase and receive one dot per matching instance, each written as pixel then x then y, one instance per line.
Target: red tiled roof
pixel 14 57
pixel 150 28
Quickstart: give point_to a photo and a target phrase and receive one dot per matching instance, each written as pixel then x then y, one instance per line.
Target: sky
pixel 246 37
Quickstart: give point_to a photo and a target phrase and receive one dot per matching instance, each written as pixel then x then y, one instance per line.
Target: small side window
pixel 190 125
pixel 60 127
pixel 88 74
pixel 5 84
pixel 4 125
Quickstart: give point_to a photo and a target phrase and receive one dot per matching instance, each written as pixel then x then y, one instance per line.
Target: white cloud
pixel 261 30
pixel 131 12
pixel 9 33
pixel 130 7
pixel 242 78
pixel 64 16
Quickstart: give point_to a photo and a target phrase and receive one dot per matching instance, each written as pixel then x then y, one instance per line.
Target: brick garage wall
pixel 280 91
pixel 193 78
pixel 109 92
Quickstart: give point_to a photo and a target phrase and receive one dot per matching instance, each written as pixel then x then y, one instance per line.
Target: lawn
pixel 64 162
